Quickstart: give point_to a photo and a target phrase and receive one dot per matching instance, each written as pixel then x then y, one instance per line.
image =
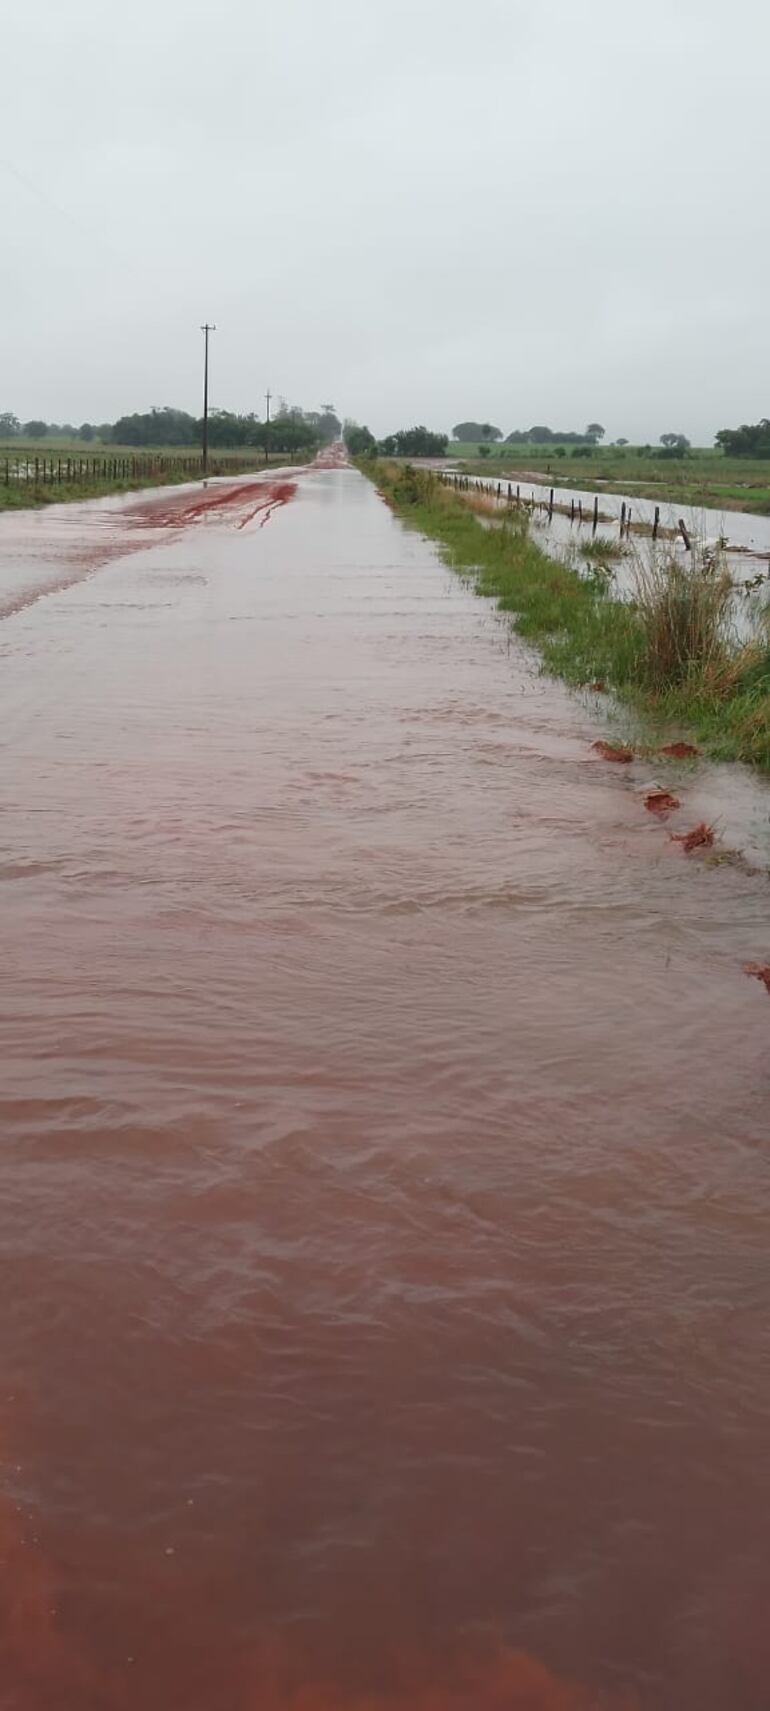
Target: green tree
pixel 165 427
pixel 9 425
pixel 750 440
pixel 474 431
pixel 415 442
pixel 595 431
pixel 359 441
pixel 35 430
pixel 676 445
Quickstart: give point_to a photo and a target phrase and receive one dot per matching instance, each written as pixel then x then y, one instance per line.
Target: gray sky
pixel 423 210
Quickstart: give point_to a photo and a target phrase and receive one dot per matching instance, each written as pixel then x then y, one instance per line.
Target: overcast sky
pixel 421 210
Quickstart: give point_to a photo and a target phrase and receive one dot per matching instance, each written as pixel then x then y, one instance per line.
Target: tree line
pixel 408 442
pixel 540 435
pixel 291 429
pixel 750 440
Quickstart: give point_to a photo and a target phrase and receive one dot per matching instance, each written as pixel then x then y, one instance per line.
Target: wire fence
pixel 29 470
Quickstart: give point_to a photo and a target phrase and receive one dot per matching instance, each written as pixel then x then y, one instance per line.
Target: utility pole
pixel 206 329
pixel 268 396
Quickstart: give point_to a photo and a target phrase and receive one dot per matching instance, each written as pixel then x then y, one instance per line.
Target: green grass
pixel 705 477
pixel 581 631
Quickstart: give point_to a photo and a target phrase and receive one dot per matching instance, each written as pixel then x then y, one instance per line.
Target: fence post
pixel 596 514
pixel 684 534
pixel 656 523
pixel 622 516
pixel 550 507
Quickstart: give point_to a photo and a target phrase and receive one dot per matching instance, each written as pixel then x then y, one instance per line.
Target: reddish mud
pixel 383 1181
pixel 679 751
pixel 609 751
pixel 661 802
pixel 45 552
pixel 700 838
pixel 258 496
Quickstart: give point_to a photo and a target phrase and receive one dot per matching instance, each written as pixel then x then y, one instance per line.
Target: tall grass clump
pixel 685 605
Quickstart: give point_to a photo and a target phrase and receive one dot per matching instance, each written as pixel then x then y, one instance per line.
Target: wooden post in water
pixel 628 523
pixel 656 524
pixel 580 510
pixel 596 513
pixel 518 494
pixel 622 516
pixel 550 506
pixel 684 534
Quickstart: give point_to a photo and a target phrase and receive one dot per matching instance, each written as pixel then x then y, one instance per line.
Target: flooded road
pixel 384 1183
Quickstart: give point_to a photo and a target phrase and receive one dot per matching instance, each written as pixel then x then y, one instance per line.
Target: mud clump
pixel 614 752
pixel 680 751
pixel 700 838
pixel 661 802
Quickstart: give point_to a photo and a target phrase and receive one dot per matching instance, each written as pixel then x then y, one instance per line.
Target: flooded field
pixel 747 536
pixel 384 1114
pixel 564 526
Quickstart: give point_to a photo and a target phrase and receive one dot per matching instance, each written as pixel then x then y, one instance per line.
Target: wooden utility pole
pixel 207 328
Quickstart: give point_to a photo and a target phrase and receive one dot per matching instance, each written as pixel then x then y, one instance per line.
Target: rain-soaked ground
pixel 384 1183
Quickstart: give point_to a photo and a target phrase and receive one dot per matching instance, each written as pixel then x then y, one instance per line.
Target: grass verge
pixel 697 677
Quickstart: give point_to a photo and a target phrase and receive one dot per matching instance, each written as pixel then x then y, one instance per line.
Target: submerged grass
pixel 669 651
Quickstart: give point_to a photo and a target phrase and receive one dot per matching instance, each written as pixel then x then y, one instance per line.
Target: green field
pixel 703 477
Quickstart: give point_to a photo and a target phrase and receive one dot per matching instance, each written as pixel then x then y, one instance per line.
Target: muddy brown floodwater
pixel 384 1179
